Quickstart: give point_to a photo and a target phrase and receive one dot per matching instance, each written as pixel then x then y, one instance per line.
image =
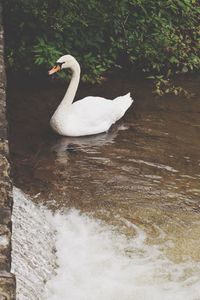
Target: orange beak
pixel 55 69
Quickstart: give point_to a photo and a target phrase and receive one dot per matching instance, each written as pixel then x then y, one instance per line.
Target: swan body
pixel 91 115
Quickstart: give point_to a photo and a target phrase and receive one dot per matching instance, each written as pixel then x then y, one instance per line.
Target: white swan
pixel 91 115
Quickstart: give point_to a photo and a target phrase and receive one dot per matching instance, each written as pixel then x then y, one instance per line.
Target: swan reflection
pixel 66 146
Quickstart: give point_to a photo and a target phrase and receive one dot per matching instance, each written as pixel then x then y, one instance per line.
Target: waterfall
pixel 73 256
pixel 33 244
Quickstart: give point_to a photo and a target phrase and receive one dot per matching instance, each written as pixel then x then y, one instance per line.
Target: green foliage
pixel 163 85
pixel 157 37
pixel 45 53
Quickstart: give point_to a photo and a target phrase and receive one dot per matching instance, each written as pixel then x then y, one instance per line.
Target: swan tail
pixel 123 103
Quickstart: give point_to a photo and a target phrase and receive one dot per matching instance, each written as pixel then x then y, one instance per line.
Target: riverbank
pixel 7 280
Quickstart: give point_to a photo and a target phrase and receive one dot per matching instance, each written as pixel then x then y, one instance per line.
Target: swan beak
pixel 55 69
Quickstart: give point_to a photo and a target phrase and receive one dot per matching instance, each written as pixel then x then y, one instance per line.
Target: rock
pixel 7 280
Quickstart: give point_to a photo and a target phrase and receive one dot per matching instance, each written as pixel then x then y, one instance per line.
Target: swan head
pixel 64 62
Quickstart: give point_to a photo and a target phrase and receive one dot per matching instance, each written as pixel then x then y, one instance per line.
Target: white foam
pixel 96 262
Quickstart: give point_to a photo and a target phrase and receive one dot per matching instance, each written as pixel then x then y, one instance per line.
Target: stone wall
pixel 7 280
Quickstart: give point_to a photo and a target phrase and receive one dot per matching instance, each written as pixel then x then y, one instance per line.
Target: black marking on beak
pixel 59 64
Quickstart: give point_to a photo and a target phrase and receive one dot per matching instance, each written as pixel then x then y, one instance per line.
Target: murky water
pixel 141 175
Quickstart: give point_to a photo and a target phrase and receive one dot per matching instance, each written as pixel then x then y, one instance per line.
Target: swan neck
pixel 71 91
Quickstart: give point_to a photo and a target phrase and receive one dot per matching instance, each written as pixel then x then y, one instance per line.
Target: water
pixel 33 244
pixel 134 194
pixel 92 260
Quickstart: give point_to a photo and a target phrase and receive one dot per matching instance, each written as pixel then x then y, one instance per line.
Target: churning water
pixel 74 256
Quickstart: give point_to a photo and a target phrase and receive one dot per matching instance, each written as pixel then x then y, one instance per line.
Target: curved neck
pixel 71 91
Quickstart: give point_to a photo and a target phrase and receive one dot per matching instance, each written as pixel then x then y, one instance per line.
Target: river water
pixel 120 215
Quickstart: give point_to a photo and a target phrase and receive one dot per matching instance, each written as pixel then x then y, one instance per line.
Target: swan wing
pixel 97 109
pixel 93 115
